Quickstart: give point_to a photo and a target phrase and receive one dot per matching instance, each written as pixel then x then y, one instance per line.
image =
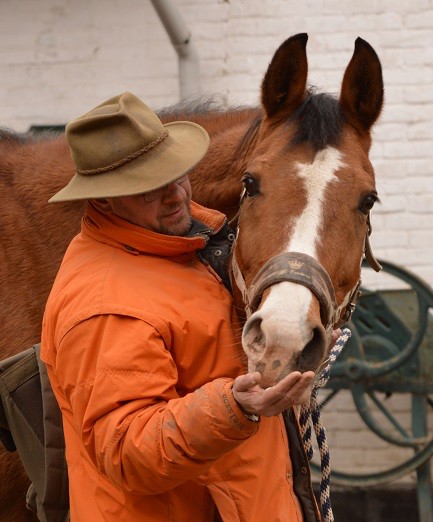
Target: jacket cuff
pixel 236 416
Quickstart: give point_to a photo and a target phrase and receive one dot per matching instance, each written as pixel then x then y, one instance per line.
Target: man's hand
pixel 295 388
pixel 335 335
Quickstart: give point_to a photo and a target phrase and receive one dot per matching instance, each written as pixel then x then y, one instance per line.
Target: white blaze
pixel 287 304
pixel 316 176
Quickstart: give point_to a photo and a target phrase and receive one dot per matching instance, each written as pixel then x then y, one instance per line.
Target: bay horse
pixel 295 175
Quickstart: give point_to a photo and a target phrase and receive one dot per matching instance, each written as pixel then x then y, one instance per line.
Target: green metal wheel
pixel 390 352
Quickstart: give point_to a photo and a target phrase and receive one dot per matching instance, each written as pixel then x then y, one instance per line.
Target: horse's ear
pixel 283 87
pixel 361 95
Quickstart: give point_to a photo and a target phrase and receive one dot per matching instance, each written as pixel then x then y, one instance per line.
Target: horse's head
pixel 309 188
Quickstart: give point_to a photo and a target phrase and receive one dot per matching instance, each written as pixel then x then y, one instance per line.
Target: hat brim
pixel 175 156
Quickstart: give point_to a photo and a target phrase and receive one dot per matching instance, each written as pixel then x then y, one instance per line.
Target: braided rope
pixel 310 415
pixel 131 157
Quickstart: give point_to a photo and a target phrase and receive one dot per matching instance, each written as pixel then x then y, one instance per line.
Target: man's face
pixel 165 210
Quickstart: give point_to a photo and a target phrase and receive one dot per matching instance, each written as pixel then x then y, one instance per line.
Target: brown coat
pixel 142 345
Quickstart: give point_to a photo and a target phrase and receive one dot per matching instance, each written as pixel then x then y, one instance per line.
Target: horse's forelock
pixel 319 121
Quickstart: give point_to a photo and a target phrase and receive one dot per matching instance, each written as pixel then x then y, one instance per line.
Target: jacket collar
pixel 115 231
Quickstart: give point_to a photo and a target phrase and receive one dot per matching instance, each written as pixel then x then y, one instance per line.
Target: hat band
pixel 128 158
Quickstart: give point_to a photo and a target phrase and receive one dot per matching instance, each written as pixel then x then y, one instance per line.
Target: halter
pixel 293 267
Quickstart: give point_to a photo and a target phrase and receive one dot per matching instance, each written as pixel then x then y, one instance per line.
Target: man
pixel 140 338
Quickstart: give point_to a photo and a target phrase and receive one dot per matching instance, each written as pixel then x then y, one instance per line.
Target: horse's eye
pixel 368 202
pixel 250 185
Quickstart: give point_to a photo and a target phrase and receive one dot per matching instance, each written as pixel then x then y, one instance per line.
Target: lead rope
pixel 310 415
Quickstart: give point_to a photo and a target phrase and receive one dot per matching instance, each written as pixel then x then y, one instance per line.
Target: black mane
pixel 191 107
pixel 10 136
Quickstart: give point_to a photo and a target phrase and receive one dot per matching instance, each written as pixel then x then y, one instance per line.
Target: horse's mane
pixel 318 119
pixel 209 112
pixel 201 106
pixel 12 137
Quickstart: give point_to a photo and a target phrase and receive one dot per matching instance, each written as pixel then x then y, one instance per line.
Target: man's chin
pixel 179 228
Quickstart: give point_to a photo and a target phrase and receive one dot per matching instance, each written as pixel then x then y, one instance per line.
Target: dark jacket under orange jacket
pixel 142 345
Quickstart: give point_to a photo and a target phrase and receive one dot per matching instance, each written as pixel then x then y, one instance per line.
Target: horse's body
pixel 309 185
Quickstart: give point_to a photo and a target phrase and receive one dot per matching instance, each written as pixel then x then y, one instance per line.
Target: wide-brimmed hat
pixel 121 148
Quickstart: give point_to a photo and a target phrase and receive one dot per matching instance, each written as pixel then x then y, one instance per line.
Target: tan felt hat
pixel 121 148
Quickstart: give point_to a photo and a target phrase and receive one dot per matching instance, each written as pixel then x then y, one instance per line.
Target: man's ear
pixel 103 205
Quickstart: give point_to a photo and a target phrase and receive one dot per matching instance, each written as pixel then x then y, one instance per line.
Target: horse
pixel 294 176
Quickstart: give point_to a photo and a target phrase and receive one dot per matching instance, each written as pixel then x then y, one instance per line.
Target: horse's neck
pixel 40 168
pixel 216 181
pixel 44 164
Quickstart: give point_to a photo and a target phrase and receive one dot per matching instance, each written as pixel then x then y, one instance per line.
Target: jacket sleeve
pixel 120 384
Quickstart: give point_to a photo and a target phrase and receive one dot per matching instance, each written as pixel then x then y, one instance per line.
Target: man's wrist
pixel 253 417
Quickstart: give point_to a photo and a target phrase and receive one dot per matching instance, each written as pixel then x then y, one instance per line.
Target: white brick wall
pixel 58 58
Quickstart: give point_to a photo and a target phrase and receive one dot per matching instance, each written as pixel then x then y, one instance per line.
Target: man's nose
pixel 173 191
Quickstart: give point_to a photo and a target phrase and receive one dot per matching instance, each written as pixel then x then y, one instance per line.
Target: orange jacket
pixel 141 341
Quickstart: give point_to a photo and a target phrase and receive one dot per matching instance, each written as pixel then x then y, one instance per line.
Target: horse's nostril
pixel 314 351
pixel 253 335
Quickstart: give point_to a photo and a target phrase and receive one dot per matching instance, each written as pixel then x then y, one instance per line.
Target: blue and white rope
pixel 310 416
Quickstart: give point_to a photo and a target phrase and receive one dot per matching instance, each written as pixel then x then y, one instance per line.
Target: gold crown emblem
pixel 294 264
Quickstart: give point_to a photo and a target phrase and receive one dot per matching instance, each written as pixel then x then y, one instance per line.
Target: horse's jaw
pixel 286 334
